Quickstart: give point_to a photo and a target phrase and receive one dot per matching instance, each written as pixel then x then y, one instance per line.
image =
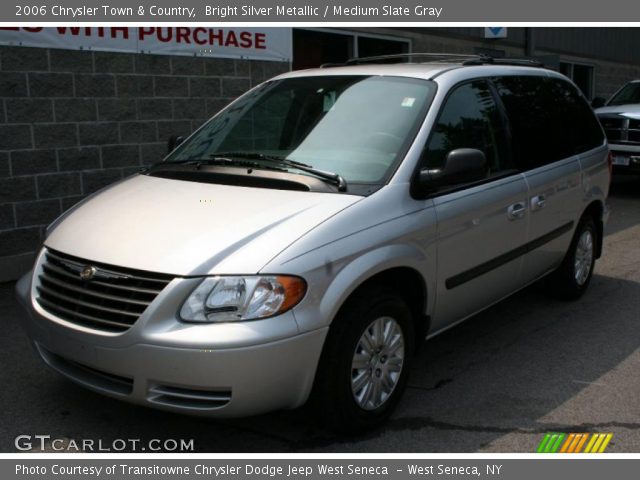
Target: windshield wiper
pixel 222 160
pixel 323 174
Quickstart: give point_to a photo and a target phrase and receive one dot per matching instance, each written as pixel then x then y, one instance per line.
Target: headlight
pixel 231 299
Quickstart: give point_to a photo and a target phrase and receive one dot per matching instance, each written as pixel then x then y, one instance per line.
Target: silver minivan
pixel 303 242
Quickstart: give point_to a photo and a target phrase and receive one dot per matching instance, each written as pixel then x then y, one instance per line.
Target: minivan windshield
pixel 356 127
pixel 630 93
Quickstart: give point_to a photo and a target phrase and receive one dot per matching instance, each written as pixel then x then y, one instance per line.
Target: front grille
pixel 634 131
pixel 111 301
pixel 189 398
pixel 621 130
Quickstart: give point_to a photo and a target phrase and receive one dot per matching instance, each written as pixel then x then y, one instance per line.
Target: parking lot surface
pixel 495 383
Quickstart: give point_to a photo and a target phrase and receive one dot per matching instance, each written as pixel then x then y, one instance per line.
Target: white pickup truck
pixel 620 118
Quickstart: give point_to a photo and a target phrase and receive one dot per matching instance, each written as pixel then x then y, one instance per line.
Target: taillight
pixel 610 165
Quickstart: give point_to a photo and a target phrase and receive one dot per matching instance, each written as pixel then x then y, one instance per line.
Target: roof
pixel 425 71
pixel 417 70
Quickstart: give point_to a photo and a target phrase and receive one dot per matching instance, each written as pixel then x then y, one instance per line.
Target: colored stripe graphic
pixel 543 443
pixel 580 444
pixel 591 442
pixel 605 443
pixel 598 443
pixel 574 442
pixel 551 442
pixel 568 442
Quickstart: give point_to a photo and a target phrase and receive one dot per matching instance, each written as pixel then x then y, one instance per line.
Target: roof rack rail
pixel 471 59
pixel 430 57
pixel 487 60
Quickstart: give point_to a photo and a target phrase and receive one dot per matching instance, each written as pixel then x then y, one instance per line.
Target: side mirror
pixel 173 142
pixel 463 165
pixel 598 102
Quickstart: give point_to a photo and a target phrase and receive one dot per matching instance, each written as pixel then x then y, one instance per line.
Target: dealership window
pixel 582 75
pixel 312 48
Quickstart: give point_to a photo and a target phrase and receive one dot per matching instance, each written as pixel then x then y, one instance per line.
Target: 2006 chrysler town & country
pixel 306 239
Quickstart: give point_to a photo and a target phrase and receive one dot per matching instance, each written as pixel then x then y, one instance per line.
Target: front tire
pixel 365 363
pixel 572 278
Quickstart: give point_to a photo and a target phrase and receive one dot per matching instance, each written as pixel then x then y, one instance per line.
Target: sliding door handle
pixel 538 202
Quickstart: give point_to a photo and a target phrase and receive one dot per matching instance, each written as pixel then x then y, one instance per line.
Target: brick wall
pixel 72 122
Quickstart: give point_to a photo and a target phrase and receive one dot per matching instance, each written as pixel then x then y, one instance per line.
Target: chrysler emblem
pixel 88 272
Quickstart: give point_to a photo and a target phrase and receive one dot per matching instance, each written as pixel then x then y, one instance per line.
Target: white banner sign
pixel 251 43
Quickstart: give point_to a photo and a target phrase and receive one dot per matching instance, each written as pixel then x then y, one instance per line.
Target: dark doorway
pixel 371 47
pixel 312 48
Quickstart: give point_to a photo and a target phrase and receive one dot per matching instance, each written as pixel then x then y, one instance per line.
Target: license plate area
pixel 620 160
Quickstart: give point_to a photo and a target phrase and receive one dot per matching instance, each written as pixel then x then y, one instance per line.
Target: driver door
pixel 481 227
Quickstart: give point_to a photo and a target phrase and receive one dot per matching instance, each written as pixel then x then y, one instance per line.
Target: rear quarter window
pixel 549 119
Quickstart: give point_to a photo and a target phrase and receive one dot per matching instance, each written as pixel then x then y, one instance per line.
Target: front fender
pixel 327 293
pixel 386 230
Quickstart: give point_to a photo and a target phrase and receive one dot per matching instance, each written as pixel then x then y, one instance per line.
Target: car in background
pixel 620 118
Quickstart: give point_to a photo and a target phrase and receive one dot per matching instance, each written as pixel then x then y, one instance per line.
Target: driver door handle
pixel 516 211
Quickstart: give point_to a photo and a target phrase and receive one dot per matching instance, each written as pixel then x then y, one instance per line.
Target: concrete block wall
pixel 610 76
pixel 72 122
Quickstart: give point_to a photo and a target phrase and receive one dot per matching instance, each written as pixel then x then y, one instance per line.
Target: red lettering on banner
pixel 204 36
pixel 145 31
pixel 26 29
pixel 182 34
pixel 196 36
pixel 123 30
pixel 215 36
pixel 149 37
pixel 245 39
pixel 164 37
pixel 231 39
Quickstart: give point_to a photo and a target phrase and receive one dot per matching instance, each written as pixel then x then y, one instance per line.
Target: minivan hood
pixel 188 228
pixel 629 108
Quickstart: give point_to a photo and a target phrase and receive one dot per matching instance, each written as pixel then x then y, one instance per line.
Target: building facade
pixel 75 119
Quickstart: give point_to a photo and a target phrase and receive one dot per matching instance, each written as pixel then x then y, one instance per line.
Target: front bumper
pixel 217 370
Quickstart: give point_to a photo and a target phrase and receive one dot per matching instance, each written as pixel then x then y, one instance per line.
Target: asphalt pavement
pixel 495 383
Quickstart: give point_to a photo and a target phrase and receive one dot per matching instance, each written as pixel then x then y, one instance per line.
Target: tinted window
pixel 468 119
pixel 549 119
pixel 581 125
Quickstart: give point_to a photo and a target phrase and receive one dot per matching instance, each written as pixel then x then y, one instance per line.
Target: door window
pixel 469 119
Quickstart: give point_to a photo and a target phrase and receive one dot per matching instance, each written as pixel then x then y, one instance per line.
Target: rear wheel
pixel 572 278
pixel 365 362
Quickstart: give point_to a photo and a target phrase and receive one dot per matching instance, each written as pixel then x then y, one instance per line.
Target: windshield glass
pixel 630 93
pixel 355 126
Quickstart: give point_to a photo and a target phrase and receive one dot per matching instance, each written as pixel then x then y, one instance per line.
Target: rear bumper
pixel 217 379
